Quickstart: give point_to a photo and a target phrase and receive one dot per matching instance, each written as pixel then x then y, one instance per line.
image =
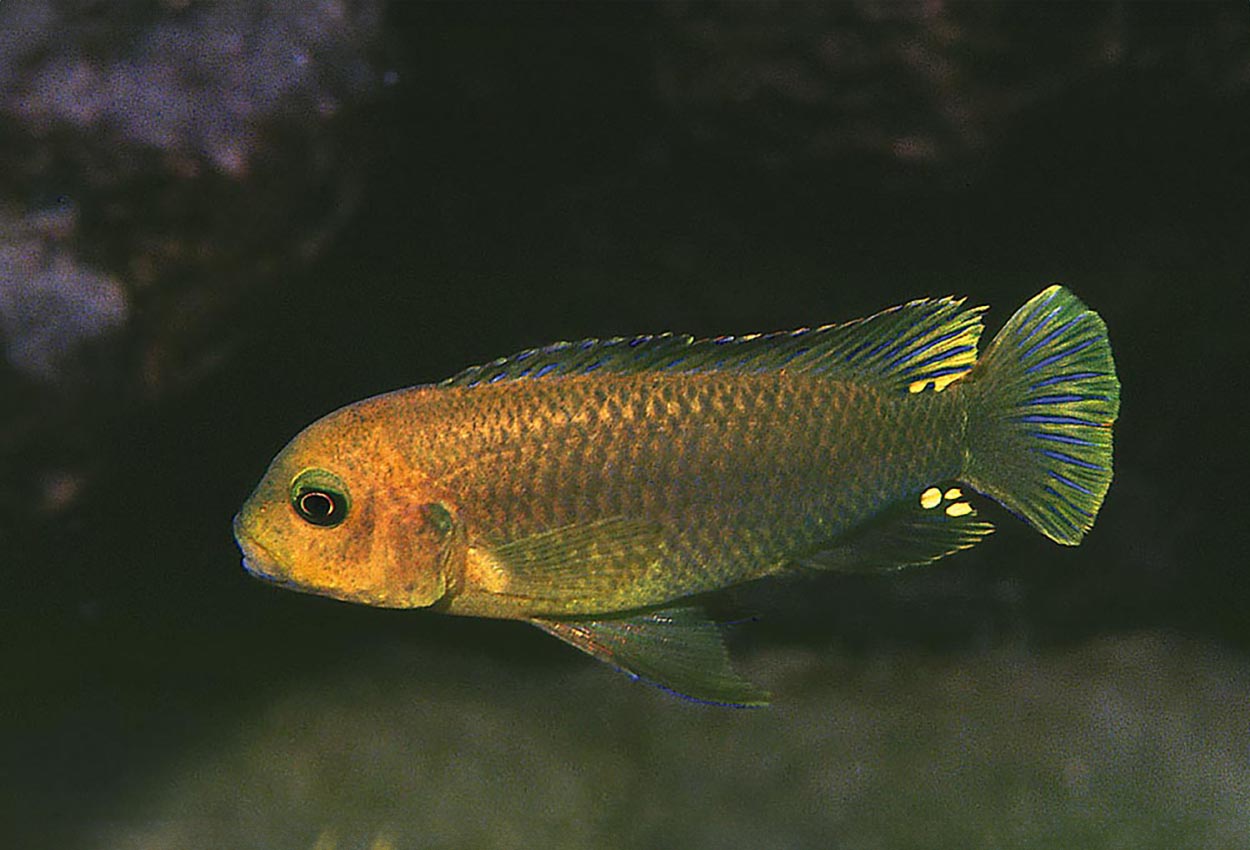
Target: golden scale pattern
pixel 735 468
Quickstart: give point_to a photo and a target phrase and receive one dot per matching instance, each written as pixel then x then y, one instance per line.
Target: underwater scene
pixel 712 425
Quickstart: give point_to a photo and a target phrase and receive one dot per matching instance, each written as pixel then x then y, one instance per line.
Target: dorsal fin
pixel 914 346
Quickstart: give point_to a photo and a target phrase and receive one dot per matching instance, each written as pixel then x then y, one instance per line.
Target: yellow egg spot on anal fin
pixel 958 509
pixel 918 386
pixel 952 494
pixel 930 498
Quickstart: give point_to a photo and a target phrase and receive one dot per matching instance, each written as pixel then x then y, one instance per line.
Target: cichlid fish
pixel 591 488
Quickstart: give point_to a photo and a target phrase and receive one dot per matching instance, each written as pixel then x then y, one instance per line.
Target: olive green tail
pixel 1042 401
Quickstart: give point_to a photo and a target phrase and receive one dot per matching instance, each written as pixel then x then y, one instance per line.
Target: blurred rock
pixel 785 86
pixel 196 82
pixel 51 306
pixel 160 163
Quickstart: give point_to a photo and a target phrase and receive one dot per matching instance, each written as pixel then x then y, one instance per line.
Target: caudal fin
pixel 1043 398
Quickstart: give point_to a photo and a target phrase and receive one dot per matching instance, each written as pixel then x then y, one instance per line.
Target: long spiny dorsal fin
pixel 914 346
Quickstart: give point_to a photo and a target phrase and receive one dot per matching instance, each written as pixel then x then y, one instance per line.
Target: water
pixel 1017 695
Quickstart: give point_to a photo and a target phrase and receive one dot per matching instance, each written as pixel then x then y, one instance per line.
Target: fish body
pixel 592 488
pixel 729 477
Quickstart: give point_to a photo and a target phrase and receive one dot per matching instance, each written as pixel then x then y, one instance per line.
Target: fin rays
pixel 919 345
pixel 1048 379
pixel 677 649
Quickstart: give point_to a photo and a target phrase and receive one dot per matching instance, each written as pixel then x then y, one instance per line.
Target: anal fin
pixel 935 522
pixel 677 649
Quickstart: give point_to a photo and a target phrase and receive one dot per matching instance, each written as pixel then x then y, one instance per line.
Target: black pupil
pixel 317 506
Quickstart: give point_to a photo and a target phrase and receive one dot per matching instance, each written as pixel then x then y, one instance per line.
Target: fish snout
pixel 256 559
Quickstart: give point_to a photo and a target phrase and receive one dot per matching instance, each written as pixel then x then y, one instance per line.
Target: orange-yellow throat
pixel 591 487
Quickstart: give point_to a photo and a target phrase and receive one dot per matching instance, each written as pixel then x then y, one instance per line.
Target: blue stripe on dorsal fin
pixel 921 345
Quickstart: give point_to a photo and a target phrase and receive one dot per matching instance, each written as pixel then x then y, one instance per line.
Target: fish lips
pixel 257 560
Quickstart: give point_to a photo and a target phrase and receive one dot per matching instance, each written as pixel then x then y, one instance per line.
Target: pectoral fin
pixel 933 523
pixel 677 649
pixel 615 562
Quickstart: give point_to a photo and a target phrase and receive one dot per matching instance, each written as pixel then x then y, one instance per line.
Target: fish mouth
pixel 262 564
pixel 258 561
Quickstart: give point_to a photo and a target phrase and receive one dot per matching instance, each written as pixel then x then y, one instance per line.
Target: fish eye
pixel 319 498
pixel 319 507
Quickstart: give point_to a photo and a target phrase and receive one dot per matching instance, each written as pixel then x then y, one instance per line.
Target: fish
pixel 602 489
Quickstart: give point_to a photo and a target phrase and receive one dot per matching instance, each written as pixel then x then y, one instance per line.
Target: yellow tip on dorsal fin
pixel 915 347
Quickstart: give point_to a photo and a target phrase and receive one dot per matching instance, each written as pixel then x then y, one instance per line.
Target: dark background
pixel 441 184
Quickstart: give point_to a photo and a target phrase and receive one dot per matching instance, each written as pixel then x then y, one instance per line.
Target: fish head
pixel 338 514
